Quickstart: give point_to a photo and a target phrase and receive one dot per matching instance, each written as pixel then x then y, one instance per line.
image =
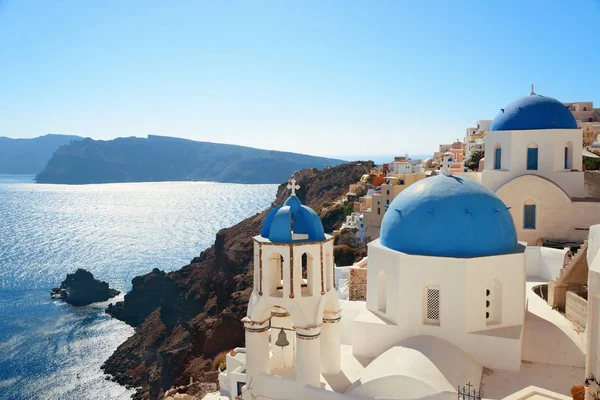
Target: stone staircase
pixel 581 252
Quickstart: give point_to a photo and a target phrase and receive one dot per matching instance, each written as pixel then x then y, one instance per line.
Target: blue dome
pixel 534 112
pixel 292 218
pixel 448 216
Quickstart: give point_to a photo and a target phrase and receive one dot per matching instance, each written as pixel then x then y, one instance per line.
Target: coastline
pixel 200 306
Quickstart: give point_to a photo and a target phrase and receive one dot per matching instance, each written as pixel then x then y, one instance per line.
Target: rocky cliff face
pixel 185 318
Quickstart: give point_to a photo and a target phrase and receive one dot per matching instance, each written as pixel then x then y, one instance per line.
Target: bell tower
pixel 293 298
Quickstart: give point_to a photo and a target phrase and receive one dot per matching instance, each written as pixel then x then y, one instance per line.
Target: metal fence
pixel 468 392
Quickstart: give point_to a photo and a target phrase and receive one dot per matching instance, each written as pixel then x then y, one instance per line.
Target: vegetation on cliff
pixel 159 158
pixel 185 318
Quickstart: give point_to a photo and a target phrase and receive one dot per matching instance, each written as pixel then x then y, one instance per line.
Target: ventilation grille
pixel 433 304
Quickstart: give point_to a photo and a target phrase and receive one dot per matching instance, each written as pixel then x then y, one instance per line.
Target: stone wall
pixel 357 284
pixel 592 184
pixel 576 310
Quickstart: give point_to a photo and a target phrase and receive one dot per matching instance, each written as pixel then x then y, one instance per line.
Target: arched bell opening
pixel 275 274
pixel 308 281
pixel 283 343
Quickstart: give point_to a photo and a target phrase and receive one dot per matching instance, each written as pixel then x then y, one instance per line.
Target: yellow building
pixel 383 196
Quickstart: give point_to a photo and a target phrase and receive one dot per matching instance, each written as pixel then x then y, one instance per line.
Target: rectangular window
pixel 388 192
pixel 240 385
pixel 378 211
pixel 532 158
pixel 529 216
pixel 566 158
pixel 432 305
pixel 498 159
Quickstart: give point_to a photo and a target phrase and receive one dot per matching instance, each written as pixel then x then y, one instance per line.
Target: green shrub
pixel 591 164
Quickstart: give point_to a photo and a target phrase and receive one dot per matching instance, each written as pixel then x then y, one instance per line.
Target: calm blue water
pixel 50 350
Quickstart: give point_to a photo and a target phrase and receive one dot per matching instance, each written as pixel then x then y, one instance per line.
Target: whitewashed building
pixel 440 307
pixel 356 221
pixel 533 161
pixel 475 137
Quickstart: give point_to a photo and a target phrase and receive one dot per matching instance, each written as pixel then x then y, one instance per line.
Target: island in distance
pixel 30 155
pixel 160 158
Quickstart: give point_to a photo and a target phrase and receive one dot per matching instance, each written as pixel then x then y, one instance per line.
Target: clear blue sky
pixel 319 77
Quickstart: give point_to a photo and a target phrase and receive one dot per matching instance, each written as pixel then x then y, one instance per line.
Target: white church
pixel 452 294
pixel 533 162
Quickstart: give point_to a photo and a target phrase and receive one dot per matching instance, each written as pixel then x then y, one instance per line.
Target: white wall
pixel 592 363
pixel 593 243
pixel 550 142
pixel 545 262
pixel 557 216
pixel 462 285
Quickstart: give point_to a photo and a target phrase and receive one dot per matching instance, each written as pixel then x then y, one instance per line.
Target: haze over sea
pixel 50 350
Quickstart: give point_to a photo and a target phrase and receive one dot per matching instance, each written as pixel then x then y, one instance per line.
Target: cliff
pixel 185 318
pixel 159 158
pixel 29 156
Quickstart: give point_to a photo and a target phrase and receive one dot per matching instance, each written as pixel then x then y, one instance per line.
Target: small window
pixel 532 158
pixel 590 119
pixel 378 211
pixel 529 216
pixel 432 305
pixel 240 385
pixel 387 201
pixel 382 291
pixel 402 181
pixel 493 303
pixel 498 158
pixel 568 156
pixel 584 108
pixel 388 192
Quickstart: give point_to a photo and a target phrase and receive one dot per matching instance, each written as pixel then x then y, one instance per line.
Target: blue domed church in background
pixel 533 163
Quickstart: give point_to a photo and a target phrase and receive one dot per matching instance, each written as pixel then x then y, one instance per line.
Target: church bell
pixel 282 339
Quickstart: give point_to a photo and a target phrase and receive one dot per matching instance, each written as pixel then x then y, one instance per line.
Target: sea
pixel 51 350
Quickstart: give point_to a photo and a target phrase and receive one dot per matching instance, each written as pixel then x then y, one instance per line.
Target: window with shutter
pixel 532 158
pixel 498 158
pixel 529 216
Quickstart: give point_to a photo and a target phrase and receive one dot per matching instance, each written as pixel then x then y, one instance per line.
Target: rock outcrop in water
pixel 185 318
pixel 81 289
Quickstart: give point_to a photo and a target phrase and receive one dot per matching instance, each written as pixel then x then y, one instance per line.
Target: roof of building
pixel 448 216
pixel 400 367
pixel 292 222
pixel 534 112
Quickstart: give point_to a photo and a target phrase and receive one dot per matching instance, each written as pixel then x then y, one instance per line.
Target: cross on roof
pixel 292 185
